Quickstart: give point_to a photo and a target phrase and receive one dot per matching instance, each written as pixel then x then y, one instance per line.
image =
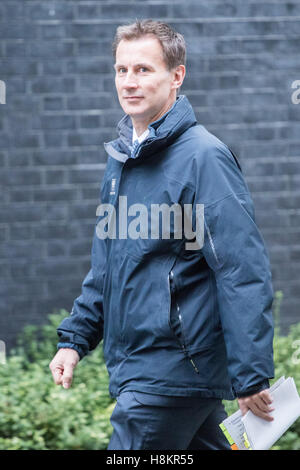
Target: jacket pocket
pixel 176 321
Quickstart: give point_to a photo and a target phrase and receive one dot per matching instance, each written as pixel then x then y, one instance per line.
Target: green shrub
pixel 287 363
pixel 37 414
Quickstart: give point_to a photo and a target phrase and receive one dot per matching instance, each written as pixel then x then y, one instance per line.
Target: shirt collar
pixel 141 137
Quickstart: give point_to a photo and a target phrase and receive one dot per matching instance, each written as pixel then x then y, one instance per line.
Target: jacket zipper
pixel 182 343
pixel 186 352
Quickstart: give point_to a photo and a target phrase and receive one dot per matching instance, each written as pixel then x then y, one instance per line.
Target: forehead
pixel 144 49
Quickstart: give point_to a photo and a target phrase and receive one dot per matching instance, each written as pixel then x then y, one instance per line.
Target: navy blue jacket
pixel 178 321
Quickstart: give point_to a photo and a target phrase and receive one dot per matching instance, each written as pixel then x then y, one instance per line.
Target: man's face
pixel 144 84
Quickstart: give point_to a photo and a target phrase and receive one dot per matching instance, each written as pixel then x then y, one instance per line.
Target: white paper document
pixel 251 432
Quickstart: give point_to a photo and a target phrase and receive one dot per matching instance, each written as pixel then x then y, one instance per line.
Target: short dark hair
pixel 173 43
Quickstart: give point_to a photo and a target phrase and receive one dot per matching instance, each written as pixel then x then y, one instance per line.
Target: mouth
pixel 133 98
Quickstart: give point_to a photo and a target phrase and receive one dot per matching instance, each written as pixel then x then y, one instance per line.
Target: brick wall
pixel 61 106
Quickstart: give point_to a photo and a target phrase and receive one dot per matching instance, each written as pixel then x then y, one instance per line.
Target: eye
pixel 143 69
pixel 121 70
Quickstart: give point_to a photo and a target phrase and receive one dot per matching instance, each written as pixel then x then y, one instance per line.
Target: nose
pixel 130 80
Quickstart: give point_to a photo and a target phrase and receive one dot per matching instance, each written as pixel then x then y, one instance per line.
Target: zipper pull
pixel 171 280
pixel 194 365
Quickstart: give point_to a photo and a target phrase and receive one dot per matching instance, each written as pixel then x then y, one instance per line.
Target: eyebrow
pixel 142 64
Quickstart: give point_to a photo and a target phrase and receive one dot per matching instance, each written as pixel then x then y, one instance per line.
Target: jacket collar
pixel 161 132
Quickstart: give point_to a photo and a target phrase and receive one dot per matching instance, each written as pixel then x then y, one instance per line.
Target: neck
pixel 141 125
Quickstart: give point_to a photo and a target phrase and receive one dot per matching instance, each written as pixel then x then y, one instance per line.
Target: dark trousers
pixel 147 422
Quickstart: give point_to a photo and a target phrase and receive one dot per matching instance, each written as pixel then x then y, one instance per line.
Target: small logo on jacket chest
pixel 113 186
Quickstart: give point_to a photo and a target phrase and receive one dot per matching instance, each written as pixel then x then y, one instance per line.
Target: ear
pixel 178 76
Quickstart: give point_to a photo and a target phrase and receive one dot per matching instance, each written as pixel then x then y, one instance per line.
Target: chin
pixel 134 110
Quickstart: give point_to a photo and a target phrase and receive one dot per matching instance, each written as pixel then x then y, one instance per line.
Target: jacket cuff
pixel 81 351
pixel 77 341
pixel 255 389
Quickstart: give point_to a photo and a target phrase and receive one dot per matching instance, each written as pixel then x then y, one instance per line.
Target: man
pixel 184 325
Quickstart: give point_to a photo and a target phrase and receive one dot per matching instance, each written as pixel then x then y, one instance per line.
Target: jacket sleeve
pixel 83 329
pixel 234 249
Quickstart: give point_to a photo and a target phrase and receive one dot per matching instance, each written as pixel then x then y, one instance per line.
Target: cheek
pixel 117 84
pixel 158 87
